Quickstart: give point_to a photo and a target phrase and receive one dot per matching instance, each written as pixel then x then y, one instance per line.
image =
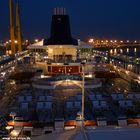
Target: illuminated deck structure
pixel 61 52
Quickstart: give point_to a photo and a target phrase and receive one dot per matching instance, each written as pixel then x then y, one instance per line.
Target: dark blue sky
pixel 98 18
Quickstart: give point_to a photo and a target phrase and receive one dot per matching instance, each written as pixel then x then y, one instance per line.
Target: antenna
pixel 59 11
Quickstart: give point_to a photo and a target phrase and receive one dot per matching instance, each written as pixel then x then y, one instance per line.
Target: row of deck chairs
pixel 29 98
pixel 121 96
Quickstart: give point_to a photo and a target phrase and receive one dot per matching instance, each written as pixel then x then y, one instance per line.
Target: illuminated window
pixel 135 50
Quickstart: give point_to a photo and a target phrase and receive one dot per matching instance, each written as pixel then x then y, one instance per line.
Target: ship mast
pixel 18 27
pixel 12 30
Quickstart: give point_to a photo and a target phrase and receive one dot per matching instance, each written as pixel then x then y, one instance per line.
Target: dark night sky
pixel 118 19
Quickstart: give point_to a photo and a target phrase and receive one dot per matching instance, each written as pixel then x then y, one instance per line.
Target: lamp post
pixel 13 114
pixel 83 92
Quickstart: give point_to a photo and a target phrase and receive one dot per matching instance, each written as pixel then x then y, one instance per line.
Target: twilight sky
pixel 115 19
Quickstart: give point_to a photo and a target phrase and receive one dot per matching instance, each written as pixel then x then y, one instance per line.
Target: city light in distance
pixel 91 40
pixel 36 40
pixel 16 41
